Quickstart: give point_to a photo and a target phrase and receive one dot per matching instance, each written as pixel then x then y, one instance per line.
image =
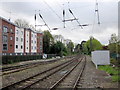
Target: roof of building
pixel 18 26
pixel 7 21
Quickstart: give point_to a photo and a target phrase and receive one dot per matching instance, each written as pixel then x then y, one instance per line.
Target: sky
pixel 51 10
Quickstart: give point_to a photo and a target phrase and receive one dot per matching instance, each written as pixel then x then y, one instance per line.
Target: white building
pixel 58 38
pixel 101 57
pixel 33 42
pixel 27 41
pixel 19 40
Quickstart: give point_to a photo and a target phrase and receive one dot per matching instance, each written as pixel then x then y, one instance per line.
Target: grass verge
pixel 113 71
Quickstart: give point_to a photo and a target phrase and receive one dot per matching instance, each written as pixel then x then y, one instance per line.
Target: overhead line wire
pixel 54 11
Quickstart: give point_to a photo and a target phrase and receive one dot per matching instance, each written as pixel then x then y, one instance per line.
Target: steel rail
pixel 57 70
pixel 3 69
pixel 9 70
pixel 79 76
pixel 61 79
pixel 19 68
pixel 7 87
pixel 13 69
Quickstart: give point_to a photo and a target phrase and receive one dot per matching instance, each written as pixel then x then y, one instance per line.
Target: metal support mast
pixel 97 11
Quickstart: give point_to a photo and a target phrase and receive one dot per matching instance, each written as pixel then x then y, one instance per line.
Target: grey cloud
pixel 84 11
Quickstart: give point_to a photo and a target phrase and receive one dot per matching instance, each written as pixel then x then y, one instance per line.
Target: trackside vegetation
pixel 113 71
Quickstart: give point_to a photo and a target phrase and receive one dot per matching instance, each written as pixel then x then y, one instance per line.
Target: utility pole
pixel 35 20
pixel 90 44
pixel 97 11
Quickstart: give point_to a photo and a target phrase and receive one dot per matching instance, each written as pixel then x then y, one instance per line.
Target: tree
pixel 22 23
pixel 47 41
pixel 70 47
pixel 85 48
pixel 113 39
pixel 82 46
pixel 58 38
pixel 77 48
pixel 114 44
pixel 58 48
pixel 91 45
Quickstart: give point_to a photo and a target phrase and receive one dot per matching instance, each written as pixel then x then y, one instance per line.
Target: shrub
pixel 18 58
pixel 113 71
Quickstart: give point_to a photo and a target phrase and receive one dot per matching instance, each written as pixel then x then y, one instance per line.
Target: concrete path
pixel 94 78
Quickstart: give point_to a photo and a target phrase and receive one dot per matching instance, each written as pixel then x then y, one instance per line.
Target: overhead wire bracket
pixel 44 21
pixel 75 18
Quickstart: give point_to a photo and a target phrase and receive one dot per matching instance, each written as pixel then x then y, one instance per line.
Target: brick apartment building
pixel 39 42
pixel 20 41
pixel 0 36
pixel 8 36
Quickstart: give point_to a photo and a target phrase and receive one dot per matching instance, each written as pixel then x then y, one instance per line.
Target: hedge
pixel 18 58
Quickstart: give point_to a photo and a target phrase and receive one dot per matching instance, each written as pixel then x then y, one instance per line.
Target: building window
pixel 5 29
pixel 16 38
pixel 11 30
pixel 17 32
pixel 40 38
pixel 16 46
pixel 11 38
pixel 5 38
pixel 21 39
pixel 11 46
pixel 35 41
pixel 21 47
pixel 35 48
pixel 40 43
pixel 22 32
pixel 40 48
pixel 4 46
pixel 27 47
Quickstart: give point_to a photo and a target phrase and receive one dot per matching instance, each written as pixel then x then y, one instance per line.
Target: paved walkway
pixel 94 78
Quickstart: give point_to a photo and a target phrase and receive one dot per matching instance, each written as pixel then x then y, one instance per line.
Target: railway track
pixel 28 82
pixel 76 84
pixel 9 70
pixel 66 81
pixel 13 69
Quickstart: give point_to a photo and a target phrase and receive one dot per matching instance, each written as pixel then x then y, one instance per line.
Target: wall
pixel 19 33
pixel 9 33
pixel 27 41
pixel 33 42
pixel 0 36
pixel 39 43
pixel 101 57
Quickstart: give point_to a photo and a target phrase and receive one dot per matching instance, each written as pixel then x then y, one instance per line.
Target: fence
pixel 8 59
pixel 115 56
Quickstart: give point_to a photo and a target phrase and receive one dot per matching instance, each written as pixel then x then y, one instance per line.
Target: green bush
pixel 18 58
pixel 116 78
pixel 113 61
pixel 113 71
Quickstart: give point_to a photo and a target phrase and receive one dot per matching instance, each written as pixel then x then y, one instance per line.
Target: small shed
pixel 101 57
